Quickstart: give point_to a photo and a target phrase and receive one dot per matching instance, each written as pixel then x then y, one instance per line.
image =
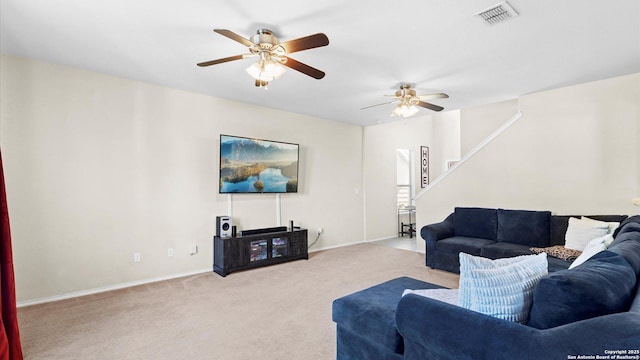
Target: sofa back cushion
pixel 628 246
pixel 531 228
pixel 632 223
pixel 476 222
pixel 605 284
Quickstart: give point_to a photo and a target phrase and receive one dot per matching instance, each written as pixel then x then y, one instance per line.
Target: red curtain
pixel 10 348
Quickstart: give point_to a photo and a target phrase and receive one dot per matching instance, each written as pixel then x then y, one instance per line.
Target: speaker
pixel 223 226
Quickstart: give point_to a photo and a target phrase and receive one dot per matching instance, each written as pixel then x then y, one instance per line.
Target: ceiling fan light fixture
pixel 405 110
pixel 409 103
pixel 266 70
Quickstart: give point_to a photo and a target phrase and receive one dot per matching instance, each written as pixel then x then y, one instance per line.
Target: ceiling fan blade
pixel 433 96
pixel 387 103
pixel 235 37
pixel 430 106
pixel 304 68
pixel 304 43
pixel 223 60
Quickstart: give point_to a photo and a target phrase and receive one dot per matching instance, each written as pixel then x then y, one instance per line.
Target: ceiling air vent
pixel 498 13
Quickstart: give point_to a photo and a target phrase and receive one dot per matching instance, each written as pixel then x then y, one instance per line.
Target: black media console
pixel 257 248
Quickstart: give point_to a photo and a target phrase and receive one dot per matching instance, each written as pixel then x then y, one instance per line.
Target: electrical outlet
pixel 170 252
pixel 136 257
pixel 193 249
pixel 320 230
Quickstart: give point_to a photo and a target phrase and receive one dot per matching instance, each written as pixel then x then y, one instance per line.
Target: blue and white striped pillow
pixel 502 288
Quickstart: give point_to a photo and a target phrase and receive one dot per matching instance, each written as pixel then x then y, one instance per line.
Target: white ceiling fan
pixel 272 54
pixel 408 101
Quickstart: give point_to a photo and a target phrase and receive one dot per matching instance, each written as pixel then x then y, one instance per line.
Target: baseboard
pixel 383 238
pixel 106 288
pixel 335 246
pixel 351 243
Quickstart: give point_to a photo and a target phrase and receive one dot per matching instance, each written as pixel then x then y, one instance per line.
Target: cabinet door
pixel 279 247
pixel 258 250
pixel 299 243
pixel 229 253
pixel 235 253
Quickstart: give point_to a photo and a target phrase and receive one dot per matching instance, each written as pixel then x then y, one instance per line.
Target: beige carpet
pixel 276 312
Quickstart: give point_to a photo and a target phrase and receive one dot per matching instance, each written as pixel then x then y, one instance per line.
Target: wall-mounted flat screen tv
pixel 257 166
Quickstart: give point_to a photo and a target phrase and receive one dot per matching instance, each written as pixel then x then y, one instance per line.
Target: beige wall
pixel 99 167
pixel 574 151
pixel 380 144
pixel 445 142
pixel 478 122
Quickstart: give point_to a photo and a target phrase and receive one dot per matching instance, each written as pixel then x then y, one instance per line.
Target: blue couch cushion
pixel 372 312
pixel 603 285
pixel 632 223
pixel 457 244
pixel 504 250
pixel 556 264
pixel 476 223
pixel 627 245
pixel 532 228
pixel 559 226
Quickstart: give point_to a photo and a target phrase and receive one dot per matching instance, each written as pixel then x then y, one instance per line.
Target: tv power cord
pixel 316 240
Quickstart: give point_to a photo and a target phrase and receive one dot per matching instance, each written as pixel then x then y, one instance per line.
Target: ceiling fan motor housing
pixel 406 91
pixel 265 38
pixel 267 45
pixel 407 95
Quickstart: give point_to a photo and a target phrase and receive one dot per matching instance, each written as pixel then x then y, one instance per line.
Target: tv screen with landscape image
pixel 257 166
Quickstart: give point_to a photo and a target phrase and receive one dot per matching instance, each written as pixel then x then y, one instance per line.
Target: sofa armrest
pixel 594 336
pixel 436 330
pixel 434 232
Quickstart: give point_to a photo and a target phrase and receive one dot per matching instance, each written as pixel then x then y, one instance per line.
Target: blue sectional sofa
pixel 496 233
pixel 590 310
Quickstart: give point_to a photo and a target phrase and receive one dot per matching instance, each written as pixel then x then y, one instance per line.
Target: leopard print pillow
pixel 558 251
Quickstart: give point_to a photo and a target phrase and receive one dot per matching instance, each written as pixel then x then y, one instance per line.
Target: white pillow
pixel 503 290
pixel 470 262
pixel 450 296
pixel 593 247
pixel 581 231
pixel 612 225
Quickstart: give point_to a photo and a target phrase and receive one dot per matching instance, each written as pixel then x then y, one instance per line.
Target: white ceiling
pixel 438 45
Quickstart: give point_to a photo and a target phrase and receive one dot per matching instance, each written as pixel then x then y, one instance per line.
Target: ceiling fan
pixel 272 54
pixel 407 101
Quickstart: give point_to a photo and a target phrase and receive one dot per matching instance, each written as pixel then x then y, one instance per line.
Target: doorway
pixel 405 192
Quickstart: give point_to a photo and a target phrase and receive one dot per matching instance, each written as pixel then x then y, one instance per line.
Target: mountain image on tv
pixel 257 166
